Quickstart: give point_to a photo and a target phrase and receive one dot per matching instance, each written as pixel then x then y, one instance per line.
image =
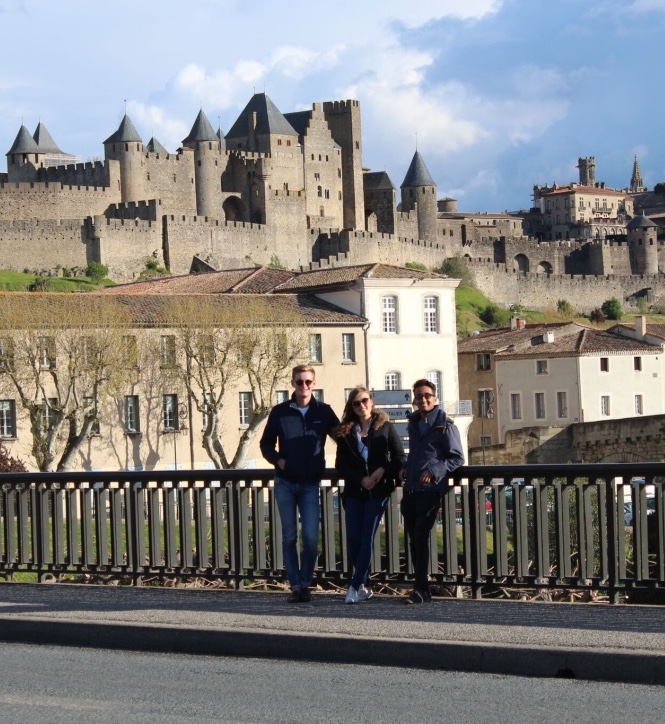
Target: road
pixel 52 684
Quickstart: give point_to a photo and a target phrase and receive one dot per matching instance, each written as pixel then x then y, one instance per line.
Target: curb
pixel 615 665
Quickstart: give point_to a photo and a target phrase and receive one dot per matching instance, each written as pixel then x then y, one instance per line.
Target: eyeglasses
pixel 363 401
pixel 424 396
pixel 300 383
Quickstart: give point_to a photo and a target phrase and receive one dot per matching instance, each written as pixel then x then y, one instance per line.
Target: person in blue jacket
pixel 294 442
pixel 435 450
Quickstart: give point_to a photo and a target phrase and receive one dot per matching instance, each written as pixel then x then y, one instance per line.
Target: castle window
pixel 326 157
pixel 322 211
pixel 198 163
pixel 339 173
pixel 339 195
pixel 327 193
pixel 357 145
pixel 319 191
pixel 389 314
pixel 279 141
pixel 148 177
pixel 173 178
pixel 431 315
pixel 288 143
pixel 319 157
pixel 126 147
pixel 317 176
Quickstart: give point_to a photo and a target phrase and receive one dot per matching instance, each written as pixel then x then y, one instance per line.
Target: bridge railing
pixel 597 527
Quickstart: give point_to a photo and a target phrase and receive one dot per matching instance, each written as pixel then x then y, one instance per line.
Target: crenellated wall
pixel 124 245
pixel 53 201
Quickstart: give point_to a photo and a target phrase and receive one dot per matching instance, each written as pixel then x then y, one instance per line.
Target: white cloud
pixel 152 121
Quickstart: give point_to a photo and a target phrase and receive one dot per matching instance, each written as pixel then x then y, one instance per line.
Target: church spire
pixel 636 182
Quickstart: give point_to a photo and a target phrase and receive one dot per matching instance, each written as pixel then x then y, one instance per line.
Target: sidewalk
pixel 585 641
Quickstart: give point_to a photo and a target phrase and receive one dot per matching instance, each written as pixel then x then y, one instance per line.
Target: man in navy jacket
pixel 435 450
pixel 294 442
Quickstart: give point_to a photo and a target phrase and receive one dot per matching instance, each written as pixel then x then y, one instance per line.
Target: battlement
pixel 340 106
pixel 125 224
pixel 202 221
pixel 49 187
pixel 145 210
pixel 37 225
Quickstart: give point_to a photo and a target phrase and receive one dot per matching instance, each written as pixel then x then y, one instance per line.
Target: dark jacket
pixel 384 450
pixel 301 440
pixel 438 450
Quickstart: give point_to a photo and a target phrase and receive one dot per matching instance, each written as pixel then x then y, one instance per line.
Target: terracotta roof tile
pixel 346 274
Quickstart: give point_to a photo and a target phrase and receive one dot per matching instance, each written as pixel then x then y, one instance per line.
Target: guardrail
pixel 597 527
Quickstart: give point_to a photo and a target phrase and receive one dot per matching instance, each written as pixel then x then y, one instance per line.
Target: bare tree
pixel 62 355
pixel 227 339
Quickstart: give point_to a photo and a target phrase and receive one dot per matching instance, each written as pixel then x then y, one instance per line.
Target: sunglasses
pixel 363 401
pixel 424 396
pixel 300 383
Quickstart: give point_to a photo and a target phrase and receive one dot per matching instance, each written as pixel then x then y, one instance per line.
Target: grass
pixel 13 281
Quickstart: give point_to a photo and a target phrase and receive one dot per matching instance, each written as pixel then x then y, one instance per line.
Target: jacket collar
pixel 436 417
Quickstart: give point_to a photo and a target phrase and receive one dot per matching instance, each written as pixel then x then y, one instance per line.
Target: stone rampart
pixel 124 245
pixel 56 201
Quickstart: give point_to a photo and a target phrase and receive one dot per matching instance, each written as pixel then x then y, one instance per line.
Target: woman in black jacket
pixel 369 457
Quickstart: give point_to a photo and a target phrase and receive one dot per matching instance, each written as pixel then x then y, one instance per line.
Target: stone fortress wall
pixel 288 190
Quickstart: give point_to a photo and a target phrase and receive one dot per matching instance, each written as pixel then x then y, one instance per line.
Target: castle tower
pixel 23 157
pixel 126 146
pixel 419 192
pixel 643 245
pixel 261 127
pixel 379 203
pixel 587 167
pixel 209 164
pixel 636 183
pixel 344 122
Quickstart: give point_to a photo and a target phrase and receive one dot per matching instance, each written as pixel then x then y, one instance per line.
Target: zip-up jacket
pixel 298 439
pixel 437 450
pixel 384 450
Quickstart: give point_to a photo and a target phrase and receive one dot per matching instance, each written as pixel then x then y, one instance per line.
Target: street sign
pixel 391 397
pixel 396 413
pixel 401 429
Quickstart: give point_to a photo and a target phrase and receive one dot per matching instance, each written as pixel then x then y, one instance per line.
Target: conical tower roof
pixel 378 181
pixel 155 146
pixel 24 143
pixel 44 140
pixel 418 175
pixel 126 133
pixel 269 119
pixel 220 135
pixel 640 222
pixel 201 130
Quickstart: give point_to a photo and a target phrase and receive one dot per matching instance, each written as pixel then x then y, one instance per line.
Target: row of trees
pixel 68 359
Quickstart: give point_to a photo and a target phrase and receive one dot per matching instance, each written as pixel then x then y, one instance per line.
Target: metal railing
pixel 597 527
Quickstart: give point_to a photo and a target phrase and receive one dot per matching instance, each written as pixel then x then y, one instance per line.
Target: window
pixel 434 376
pixel 391 381
pixel 170 412
pixel 89 406
pixel 637 364
pixel 6 353
pixel 88 351
pixel 483 362
pixel 207 405
pixel 562 404
pixel 516 406
pixel 132 414
pixel 541 367
pixel 604 364
pixel 315 352
pixel 317 395
pixel 539 399
pixel 485 440
pixel 49 408
pixel 605 405
pixel 639 407
pixel 431 315
pixel 348 347
pixel 485 399
pixel 167 350
pixel 389 314
pixel 46 352
pixel 7 418
pixel 129 351
pixel 281 396
pixel 245 407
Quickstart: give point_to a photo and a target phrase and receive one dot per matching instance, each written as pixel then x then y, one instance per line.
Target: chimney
pixel 517 323
pixel 641 326
pixel 548 337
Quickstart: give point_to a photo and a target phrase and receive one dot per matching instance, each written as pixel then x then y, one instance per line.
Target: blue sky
pixel 497 94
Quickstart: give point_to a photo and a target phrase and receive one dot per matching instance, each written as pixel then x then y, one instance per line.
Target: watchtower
pixel 209 164
pixel 419 192
pixel 126 146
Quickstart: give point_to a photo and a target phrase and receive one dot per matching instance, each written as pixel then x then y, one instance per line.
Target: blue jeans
pixel 294 498
pixel 362 521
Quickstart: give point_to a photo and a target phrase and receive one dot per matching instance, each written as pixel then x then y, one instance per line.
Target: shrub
pixel 495 316
pixel 565 309
pixel 9 464
pixel 415 265
pixel 457 268
pixel 611 308
pixel 597 316
pixel 96 271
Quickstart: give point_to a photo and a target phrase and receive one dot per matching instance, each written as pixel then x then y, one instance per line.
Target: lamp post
pixel 486 411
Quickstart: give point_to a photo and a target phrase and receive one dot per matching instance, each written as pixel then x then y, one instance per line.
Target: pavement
pixel 624 643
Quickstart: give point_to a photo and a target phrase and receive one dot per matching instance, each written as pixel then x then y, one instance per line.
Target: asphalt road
pixel 52 684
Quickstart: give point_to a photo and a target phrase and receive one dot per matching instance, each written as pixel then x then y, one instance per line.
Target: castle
pixel 290 189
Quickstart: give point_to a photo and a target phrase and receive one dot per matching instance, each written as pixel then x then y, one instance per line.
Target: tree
pixel 10 464
pixel 659 188
pixel 611 308
pixel 457 268
pixel 597 316
pixel 229 339
pixel 495 316
pixel 61 355
pixel 152 269
pixel 97 272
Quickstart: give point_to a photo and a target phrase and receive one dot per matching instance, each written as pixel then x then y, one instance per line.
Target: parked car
pixel 628 509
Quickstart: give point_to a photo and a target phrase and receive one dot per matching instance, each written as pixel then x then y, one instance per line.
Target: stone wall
pixel 124 245
pixel 52 201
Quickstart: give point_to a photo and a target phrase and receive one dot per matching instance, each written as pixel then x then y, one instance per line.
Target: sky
pixel 497 95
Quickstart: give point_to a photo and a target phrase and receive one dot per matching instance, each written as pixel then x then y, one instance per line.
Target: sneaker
pixel 365 593
pixel 417 596
pixel 305 594
pixel 294 596
pixel 352 596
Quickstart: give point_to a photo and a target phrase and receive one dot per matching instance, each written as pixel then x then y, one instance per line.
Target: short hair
pixel 303 368
pixel 424 383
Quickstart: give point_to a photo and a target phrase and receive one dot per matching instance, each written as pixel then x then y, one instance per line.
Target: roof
pixel 155 146
pixel 654 329
pixel 582 189
pixel 641 222
pixel 570 340
pixel 44 140
pixel 126 133
pixel 418 175
pixel 23 143
pixel 269 119
pixel 377 181
pixel 164 309
pixel 201 130
pixel 299 121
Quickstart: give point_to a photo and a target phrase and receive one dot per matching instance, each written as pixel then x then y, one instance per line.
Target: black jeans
pixel 419 510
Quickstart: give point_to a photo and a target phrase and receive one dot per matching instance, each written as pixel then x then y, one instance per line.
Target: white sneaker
pixel 352 596
pixel 364 594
